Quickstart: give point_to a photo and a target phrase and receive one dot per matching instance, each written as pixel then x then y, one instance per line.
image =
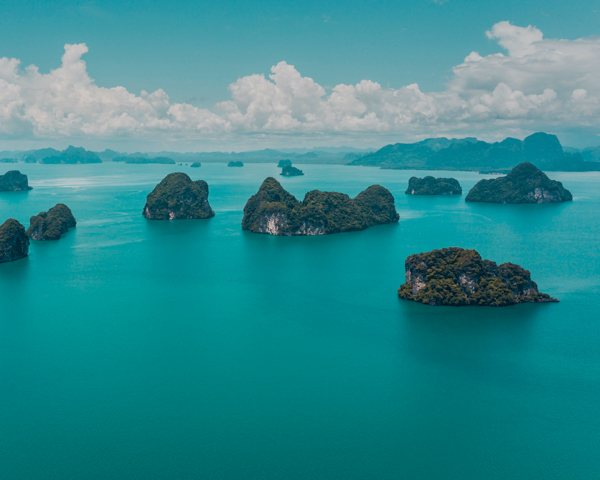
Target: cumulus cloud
pixel 533 82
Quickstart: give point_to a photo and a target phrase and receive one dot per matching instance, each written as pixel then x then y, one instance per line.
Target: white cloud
pixel 537 83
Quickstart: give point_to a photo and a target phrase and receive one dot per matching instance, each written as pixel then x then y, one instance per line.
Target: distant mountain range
pixel 541 149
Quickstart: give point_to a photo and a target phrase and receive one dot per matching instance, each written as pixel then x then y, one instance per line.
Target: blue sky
pixel 193 51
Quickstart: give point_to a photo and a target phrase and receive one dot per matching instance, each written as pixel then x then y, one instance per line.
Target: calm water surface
pixel 133 349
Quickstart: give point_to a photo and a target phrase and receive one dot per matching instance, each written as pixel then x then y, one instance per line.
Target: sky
pixel 238 75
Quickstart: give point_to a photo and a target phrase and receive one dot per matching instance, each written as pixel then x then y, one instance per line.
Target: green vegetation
pixel 72 155
pixel 235 164
pixel 14 181
pixel 455 277
pixel 14 243
pixel 524 184
pixel 433 186
pixel 52 224
pixel 289 171
pixel 541 149
pixel 275 211
pixel 178 197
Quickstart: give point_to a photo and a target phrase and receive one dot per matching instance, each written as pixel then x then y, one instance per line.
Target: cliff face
pixel 178 197
pixel 274 211
pixel 524 184
pixel 13 181
pixel 433 186
pixel 455 277
pixel 52 224
pixel 14 243
pixel 289 171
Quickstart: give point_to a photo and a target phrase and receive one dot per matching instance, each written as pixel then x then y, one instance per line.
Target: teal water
pixel 133 349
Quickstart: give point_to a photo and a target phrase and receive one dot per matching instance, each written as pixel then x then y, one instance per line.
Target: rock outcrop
pixel 52 224
pixel 433 186
pixel 178 197
pixel 14 243
pixel 235 164
pixel 289 171
pixel 14 181
pixel 455 277
pixel 524 184
pixel 283 163
pixel 274 211
pixel 196 165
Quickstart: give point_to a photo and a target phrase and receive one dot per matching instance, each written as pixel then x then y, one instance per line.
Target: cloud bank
pixel 535 84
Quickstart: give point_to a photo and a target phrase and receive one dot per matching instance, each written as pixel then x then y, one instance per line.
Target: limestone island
pixel 283 163
pixel 235 164
pixel 456 277
pixel 433 186
pixel 14 181
pixel 196 165
pixel 274 211
pixel 524 184
pixel 14 243
pixel 178 197
pixel 52 224
pixel 72 155
pixel 289 171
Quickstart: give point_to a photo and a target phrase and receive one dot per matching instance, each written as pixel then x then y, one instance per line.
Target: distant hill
pixel 541 149
pixel 72 155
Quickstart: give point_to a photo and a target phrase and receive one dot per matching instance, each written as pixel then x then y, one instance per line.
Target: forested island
pixel 235 164
pixel 284 163
pixel 433 186
pixel 289 171
pixel 14 243
pixel 274 211
pixel 196 165
pixel 178 197
pixel 541 149
pixel 457 277
pixel 14 181
pixel 72 155
pixel 524 184
pixel 52 224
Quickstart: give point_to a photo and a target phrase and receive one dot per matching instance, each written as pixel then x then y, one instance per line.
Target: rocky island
pixel 14 181
pixel 274 211
pixel 524 184
pixel 433 186
pixel 456 277
pixel 178 197
pixel 235 164
pixel 72 155
pixel 196 165
pixel 289 171
pixel 52 224
pixel 14 243
pixel 283 163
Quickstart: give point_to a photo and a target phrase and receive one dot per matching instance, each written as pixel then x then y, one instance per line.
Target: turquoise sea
pixel 134 349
